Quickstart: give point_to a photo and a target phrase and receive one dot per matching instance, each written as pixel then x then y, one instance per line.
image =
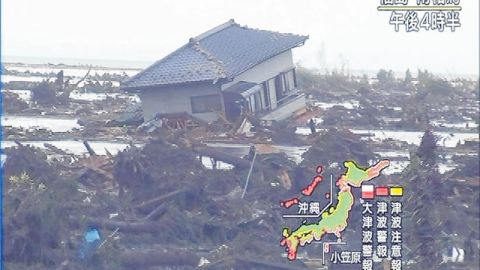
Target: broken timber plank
pixel 160 199
pixel 126 226
pixel 89 148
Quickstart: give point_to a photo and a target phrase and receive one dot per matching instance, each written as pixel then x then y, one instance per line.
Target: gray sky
pixel 353 32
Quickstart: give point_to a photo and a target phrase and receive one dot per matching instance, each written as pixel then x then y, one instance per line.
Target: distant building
pixel 227 70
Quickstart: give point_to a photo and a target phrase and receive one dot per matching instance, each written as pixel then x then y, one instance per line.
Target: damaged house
pixel 227 71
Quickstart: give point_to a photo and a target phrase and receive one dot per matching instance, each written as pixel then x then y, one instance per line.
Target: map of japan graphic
pixel 335 219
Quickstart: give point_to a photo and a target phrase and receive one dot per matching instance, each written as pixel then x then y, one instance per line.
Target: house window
pixel 289 78
pixel 266 94
pixel 279 86
pixel 251 104
pixel 208 103
pixel 258 102
pixel 272 92
pixel 285 82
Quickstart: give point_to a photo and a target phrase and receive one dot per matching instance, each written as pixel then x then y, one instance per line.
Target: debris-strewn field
pixel 89 185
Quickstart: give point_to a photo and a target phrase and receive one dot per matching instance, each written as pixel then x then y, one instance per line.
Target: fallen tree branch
pixel 160 199
pixel 222 156
pixel 89 148
pixel 126 226
pixel 158 211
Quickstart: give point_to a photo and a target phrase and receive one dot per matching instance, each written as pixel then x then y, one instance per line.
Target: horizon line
pixel 39 60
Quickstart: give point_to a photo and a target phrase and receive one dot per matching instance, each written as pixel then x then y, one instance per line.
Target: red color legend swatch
pixel 382 191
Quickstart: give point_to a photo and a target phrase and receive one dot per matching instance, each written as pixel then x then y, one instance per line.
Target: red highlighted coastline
pixel 312 186
pixel 289 203
pixel 307 191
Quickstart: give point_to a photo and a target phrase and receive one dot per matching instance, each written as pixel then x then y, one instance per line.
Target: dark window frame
pixel 279 85
pixel 294 78
pixel 266 94
pixel 286 71
pixel 286 79
pixel 284 82
pixel 258 101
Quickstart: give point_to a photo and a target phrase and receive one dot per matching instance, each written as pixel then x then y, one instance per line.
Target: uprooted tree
pixel 36 204
pixel 424 186
pixel 51 93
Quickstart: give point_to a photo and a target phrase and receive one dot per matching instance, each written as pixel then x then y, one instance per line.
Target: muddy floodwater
pixel 400 159
pixel 76 147
pixel 446 139
pixel 49 123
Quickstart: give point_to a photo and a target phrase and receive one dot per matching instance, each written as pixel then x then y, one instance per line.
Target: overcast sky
pixel 353 32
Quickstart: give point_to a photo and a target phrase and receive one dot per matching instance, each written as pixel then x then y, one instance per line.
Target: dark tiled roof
pixel 220 53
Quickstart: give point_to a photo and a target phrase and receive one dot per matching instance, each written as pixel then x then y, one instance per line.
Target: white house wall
pixel 176 99
pixel 266 70
pixel 287 110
